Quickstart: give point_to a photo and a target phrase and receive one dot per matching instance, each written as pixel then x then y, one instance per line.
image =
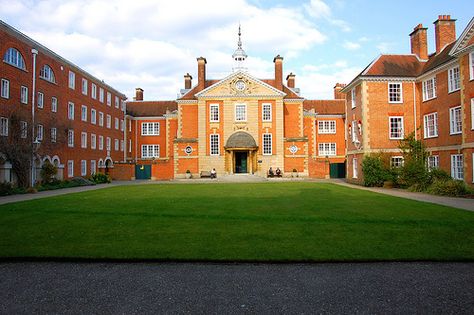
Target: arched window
pixel 47 73
pixel 13 57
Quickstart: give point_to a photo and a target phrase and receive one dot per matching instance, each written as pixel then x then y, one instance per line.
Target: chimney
pixel 290 80
pixel 138 94
pixel 278 60
pixel 419 44
pixel 338 95
pixel 201 72
pixel 188 80
pixel 445 31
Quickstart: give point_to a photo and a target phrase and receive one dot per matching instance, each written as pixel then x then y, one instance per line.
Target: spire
pixel 239 55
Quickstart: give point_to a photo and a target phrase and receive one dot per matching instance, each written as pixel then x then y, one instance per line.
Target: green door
pixel 142 171
pixel 337 170
pixel 240 162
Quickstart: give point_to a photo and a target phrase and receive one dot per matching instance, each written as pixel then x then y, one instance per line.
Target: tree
pixel 414 171
pixel 18 148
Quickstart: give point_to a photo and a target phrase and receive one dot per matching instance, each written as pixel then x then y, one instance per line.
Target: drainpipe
pixel 414 108
pixel 33 142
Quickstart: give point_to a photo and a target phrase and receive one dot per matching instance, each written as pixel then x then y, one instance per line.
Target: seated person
pixel 270 172
pixel 213 173
pixel 278 172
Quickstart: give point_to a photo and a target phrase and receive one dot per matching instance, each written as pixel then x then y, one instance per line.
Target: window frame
pixel 24 94
pixel 454 79
pixel 93 167
pixel 267 117
pixel 93 90
pixel 396 161
pixel 400 92
pixel 328 149
pixel 402 132
pixel 39 132
pixel 93 141
pixel 425 88
pixel 327 127
pixel 54 104
pixel 40 101
pixel 70 110
pixel 453 122
pixel 150 128
pixel 455 169
pixel 101 119
pixel 214 146
pixel 355 168
pixel 47 73
pixel 238 114
pixel 101 142
pixel 109 99
pixel 84 113
pixel 5 88
pixel 83 167
pixel 84 140
pixel 432 162
pixel 72 80
pixel 108 144
pixel 426 133
pixel 70 138
pixel 84 86
pixel 472 114
pixel 267 144
pixel 4 126
pixel 23 129
pixel 93 116
pixel 155 151
pixel 14 54
pixel 70 168
pixel 108 121
pixel 101 95
pixel 212 114
pixel 54 134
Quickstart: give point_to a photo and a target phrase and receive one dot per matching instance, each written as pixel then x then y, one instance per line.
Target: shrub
pixel 100 178
pixel 6 189
pixel 414 173
pixel 439 174
pixel 449 187
pixel 81 181
pixel 375 170
pixel 48 172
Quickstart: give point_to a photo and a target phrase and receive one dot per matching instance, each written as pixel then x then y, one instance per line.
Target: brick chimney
pixel 445 31
pixel 188 81
pixel 201 72
pixel 419 44
pixel 338 95
pixel 290 80
pixel 278 60
pixel 138 94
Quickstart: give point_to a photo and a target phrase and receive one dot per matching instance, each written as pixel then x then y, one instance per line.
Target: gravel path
pixel 194 288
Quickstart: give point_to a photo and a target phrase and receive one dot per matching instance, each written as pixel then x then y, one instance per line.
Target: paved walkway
pixel 196 288
pixel 461 203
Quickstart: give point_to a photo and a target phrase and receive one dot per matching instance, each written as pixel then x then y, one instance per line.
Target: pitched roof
pixel 436 60
pixel 151 108
pixel 328 107
pixel 395 66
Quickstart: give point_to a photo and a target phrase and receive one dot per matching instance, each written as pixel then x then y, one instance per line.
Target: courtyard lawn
pixel 292 221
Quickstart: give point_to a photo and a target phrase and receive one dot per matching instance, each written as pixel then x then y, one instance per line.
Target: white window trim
pixel 23 129
pixel 54 104
pixel 54 134
pixel 392 158
pixel 324 152
pixel 235 112
pixel 328 130
pixel 451 87
pixel 401 93
pixel 451 125
pixel 70 113
pixel 146 127
pixel 93 167
pixel 72 80
pixel 109 99
pixel 472 167
pixel 70 138
pixel 423 89
pixel 101 142
pixel 101 95
pixel 425 126
pixel 263 144
pixel 6 90
pixel 93 91
pixel 472 115
pixel 84 140
pixel 84 113
pixel 154 154
pixel 453 173
pixel 355 168
pixel 436 158
pixel 40 100
pixel 4 122
pixel 218 112
pixel 83 167
pixel 390 126
pixel 39 132
pixel 263 112
pixel 218 144
pixel 24 94
pixel 93 116
pixel 70 168
pixel 353 98
pixel 93 141
pixel 84 86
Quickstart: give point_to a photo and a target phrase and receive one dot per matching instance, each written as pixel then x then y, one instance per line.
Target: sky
pixel 152 43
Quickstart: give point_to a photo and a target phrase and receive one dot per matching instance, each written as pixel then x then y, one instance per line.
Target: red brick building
pixel 237 124
pixel 56 100
pixel 431 94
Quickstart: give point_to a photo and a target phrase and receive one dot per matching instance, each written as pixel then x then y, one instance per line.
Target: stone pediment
pixel 240 84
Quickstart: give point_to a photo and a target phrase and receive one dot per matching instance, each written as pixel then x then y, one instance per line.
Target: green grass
pixel 235 222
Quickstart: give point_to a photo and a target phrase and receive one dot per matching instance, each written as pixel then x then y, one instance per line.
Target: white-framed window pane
pixel 472 114
pixel 54 134
pixel 214 112
pixel 40 100
pixel 3 126
pixel 433 162
pixel 122 145
pixel 267 144
pixel 453 79
pixel 109 99
pixel 471 68
pixel 70 138
pixel 396 128
pixel 430 124
pixel 93 91
pixel 326 126
pixel 355 168
pixel 54 104
pixel 457 171
pixel 24 129
pixel 240 112
pixel 101 142
pixel 108 143
pixel 24 95
pixel 5 88
pixel 429 89
pixel 101 95
pixel 396 161
pixel 93 141
pixel 353 98
pixel 117 102
pixel 151 129
pixel 39 132
pixel 70 111
pixel 267 112
pixel 327 149
pixel 83 167
pixel 116 144
pixel 116 123
pixel 150 151
pixel 84 140
pixel 84 113
pixel 101 119
pixel 70 168
pixel 214 144
pixel 93 116
pixel 72 80
pixel 47 73
pixel 14 58
pixel 84 86
pixel 93 167
pixel 455 119
pixel 109 121
pixel 395 92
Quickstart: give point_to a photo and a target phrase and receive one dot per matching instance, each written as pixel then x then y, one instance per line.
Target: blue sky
pixel 153 43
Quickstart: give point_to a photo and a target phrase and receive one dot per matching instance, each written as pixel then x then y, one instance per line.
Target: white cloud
pixel 351 45
pixel 385 47
pixel 318 9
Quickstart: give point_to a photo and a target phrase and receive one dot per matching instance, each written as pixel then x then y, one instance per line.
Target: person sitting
pixel 213 173
pixel 278 172
pixel 270 172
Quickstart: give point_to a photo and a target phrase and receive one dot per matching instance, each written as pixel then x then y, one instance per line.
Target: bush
pixel 439 174
pixel 414 174
pixel 100 178
pixel 376 171
pixel 48 172
pixel 81 181
pixel 6 189
pixel 450 187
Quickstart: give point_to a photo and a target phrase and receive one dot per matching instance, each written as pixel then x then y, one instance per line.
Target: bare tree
pixel 18 147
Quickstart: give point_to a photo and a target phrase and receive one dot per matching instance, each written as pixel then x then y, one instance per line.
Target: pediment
pixel 465 41
pixel 240 84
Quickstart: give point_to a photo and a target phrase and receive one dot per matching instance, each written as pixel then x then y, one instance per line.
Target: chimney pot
pixel 188 80
pixel 290 80
pixel 445 32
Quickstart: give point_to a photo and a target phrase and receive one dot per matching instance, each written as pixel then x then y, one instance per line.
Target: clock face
pixel 188 150
pixel 240 85
pixel 293 149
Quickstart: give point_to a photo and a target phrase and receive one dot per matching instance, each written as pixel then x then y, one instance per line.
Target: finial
pixel 239 43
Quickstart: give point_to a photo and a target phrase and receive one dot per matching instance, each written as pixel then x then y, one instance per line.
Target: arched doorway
pixel 241 154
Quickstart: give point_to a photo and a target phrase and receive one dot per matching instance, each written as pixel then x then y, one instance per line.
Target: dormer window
pixel 14 58
pixel 47 73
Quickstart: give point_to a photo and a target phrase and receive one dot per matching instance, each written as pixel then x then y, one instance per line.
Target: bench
pixel 274 175
pixel 206 174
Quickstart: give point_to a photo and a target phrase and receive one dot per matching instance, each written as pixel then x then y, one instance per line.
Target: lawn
pixel 293 221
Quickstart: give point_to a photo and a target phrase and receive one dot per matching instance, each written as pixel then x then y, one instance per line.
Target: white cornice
pixel 293 100
pixel 466 35
pixel 440 68
pixel 181 102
